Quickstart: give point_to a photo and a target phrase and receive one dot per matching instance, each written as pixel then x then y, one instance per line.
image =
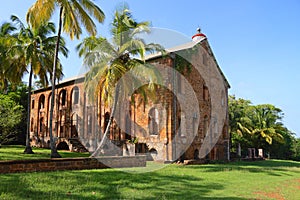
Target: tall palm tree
pixel 72 13
pixel 109 61
pixel 35 50
pixel 7 72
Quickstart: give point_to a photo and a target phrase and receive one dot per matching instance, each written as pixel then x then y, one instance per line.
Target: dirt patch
pixel 271 195
pixel 276 194
pixel 298 184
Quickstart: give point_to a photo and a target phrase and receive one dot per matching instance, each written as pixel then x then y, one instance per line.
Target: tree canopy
pixel 259 126
pixel 11 114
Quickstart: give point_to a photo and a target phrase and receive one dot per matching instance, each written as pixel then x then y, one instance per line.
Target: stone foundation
pixel 56 164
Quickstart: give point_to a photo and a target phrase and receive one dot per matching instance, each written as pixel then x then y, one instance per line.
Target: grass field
pixel 15 152
pixel 270 179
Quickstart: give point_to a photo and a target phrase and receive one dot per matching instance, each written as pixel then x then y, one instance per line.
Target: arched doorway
pixel 63 146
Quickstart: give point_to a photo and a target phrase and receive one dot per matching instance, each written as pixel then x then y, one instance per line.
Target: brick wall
pixel 71 164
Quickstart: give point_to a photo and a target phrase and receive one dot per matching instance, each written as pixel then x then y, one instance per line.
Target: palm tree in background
pixel 266 123
pixel 8 70
pixel 35 50
pixel 72 14
pixel 108 61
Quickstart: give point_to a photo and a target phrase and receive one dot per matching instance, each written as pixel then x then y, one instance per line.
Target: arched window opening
pixel 205 93
pixel 41 125
pixel 205 126
pixel 223 98
pixel 75 95
pixel 182 124
pixel 49 106
pixel 32 104
pixel 106 120
pixel 196 154
pixel 90 124
pixel 42 102
pixel 63 97
pixel 31 125
pixel 74 126
pixel 153 121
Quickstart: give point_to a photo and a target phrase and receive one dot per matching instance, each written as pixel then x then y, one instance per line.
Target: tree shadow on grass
pixel 108 184
pixel 270 167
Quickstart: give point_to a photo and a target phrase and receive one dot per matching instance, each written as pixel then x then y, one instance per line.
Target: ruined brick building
pixel 165 128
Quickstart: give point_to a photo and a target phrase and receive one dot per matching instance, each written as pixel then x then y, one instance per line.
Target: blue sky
pixel 256 42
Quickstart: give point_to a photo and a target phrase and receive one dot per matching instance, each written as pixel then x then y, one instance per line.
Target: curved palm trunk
pixel 97 151
pixel 28 149
pixel 54 153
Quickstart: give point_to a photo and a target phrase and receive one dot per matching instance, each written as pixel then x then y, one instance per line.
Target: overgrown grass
pixel 15 152
pixel 271 179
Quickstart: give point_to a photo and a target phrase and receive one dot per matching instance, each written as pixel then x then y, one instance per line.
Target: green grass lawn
pixel 15 152
pixel 271 179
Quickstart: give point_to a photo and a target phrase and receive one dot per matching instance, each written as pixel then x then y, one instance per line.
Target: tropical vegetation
pixel 72 14
pixel 260 126
pixel 109 60
pixel 34 49
pixel 10 116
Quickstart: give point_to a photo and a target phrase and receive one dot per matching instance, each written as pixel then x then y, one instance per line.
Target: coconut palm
pixel 35 50
pixel 7 72
pixel 108 61
pixel 72 13
pixel 266 125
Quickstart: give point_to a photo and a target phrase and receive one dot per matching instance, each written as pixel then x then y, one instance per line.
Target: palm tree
pixel 266 126
pixel 72 13
pixel 109 61
pixel 7 72
pixel 35 50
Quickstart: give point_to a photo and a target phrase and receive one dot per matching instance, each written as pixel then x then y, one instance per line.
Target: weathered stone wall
pixel 174 132
pixel 72 164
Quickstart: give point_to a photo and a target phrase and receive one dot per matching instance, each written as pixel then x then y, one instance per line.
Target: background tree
pixel 35 50
pixel 8 71
pixel 109 61
pixel 259 126
pixel 72 14
pixel 239 122
pixel 10 116
pixel 296 149
pixel 266 125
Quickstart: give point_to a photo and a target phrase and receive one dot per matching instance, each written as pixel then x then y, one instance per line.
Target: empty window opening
pixel 153 121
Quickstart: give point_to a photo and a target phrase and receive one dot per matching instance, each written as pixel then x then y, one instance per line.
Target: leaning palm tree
pixel 72 13
pixel 35 50
pixel 108 61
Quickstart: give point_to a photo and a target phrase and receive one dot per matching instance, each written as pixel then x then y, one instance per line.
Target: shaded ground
pixel 15 152
pixel 271 179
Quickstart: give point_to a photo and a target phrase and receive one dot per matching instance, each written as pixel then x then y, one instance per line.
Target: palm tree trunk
pixel 54 153
pixel 5 89
pixel 28 149
pixel 97 151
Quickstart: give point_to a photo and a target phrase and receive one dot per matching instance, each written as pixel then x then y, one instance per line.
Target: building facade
pixel 188 119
